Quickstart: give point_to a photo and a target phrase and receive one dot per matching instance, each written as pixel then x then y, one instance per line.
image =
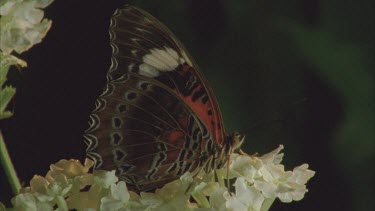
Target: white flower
pixel 56 186
pixel 72 168
pixel 267 175
pixel 287 186
pixel 86 200
pixel 245 166
pixel 118 198
pixel 28 202
pixel 250 167
pixel 38 184
pixel 59 187
pixel 273 157
pixel 247 198
pixel 76 173
pixel 258 181
pixel 105 178
pixel 150 201
pixel 301 174
pixel 202 190
pixel 22 24
pixel 217 200
pixel 172 196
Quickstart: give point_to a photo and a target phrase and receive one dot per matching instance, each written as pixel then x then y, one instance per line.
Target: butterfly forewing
pixel 156 115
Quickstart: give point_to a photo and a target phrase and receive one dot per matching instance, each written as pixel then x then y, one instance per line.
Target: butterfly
pixel 157 118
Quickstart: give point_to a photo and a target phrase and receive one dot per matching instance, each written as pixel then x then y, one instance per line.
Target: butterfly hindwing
pixel 134 131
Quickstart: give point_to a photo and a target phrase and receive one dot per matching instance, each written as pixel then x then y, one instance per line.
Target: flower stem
pixel 61 203
pixel 201 199
pixel 267 204
pixel 9 169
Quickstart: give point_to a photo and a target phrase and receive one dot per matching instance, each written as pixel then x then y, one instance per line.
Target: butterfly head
pixel 236 140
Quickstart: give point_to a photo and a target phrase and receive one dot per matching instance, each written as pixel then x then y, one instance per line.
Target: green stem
pixel 267 204
pixel 9 169
pixel 61 203
pixel 201 199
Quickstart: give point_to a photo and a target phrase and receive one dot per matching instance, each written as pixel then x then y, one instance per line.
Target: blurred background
pixel 297 73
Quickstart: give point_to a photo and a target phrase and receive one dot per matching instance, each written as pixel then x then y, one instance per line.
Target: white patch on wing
pixel 154 60
pixel 172 53
pixel 162 55
pixel 163 60
pixel 186 58
pixel 182 60
pixel 148 71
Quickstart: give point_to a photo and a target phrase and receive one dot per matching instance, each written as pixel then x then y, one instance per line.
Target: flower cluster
pixel 21 26
pixel 258 181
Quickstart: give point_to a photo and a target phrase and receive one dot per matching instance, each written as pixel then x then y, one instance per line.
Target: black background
pixel 297 73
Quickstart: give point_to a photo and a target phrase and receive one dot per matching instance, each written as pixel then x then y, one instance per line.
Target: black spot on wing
pixel 119 154
pixel 204 99
pixel 117 122
pixel 198 94
pixel 116 139
pixel 131 96
pixel 121 108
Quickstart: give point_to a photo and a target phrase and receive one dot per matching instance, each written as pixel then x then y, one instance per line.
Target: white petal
pixel 105 178
pixel 302 174
pixel 217 199
pixel 7 7
pixel 248 195
pixel 234 204
pixel 120 191
pixel 109 204
pixel 272 156
pixel 268 189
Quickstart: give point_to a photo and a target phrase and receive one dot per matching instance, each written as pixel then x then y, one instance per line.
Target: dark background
pixel 297 73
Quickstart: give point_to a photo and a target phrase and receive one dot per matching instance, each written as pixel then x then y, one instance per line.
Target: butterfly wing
pixel 143 45
pixel 156 114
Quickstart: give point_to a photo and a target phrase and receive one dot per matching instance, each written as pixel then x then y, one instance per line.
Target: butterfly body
pixel 156 118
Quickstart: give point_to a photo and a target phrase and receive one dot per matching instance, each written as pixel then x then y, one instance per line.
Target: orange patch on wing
pixel 176 136
pixel 213 121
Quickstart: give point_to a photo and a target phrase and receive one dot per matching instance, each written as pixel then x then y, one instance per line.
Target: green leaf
pixel 3 72
pixel 2 81
pixel 6 61
pixel 5 114
pixel 6 95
